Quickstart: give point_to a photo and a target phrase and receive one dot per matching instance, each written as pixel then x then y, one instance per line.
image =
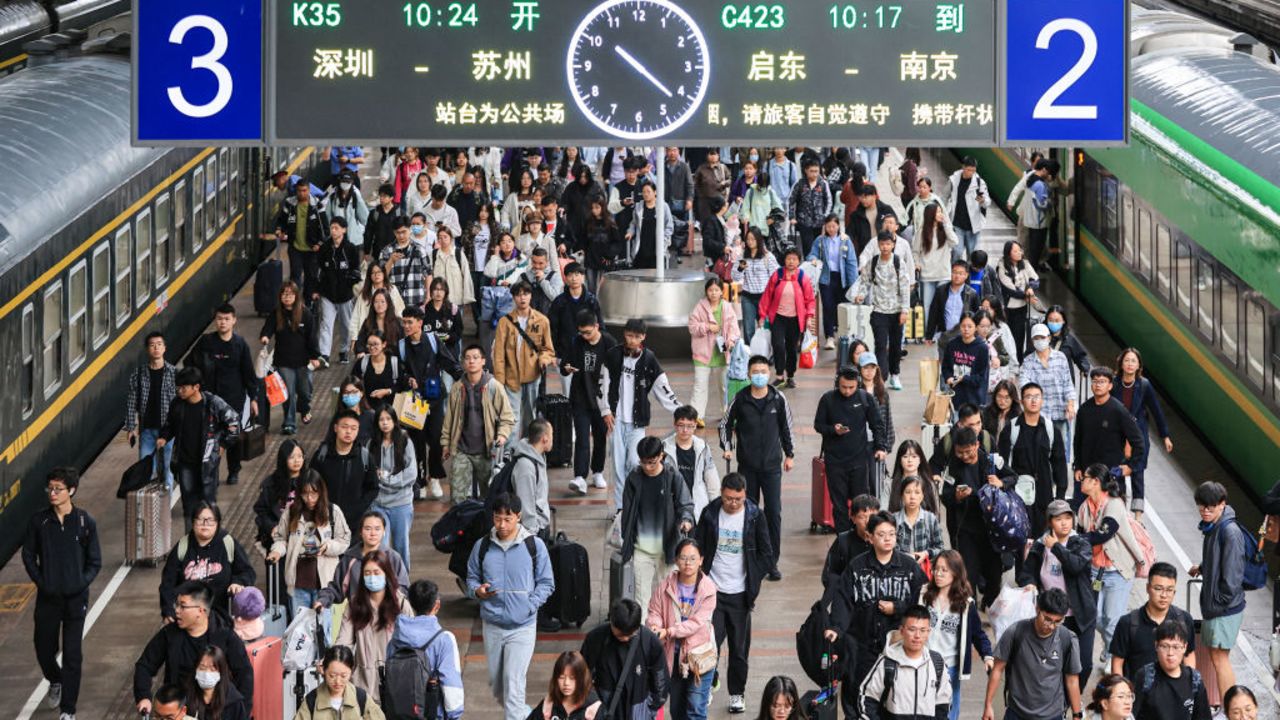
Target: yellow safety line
pixel 13 60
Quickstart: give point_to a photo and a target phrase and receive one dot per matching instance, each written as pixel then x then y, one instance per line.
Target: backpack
pixel 410 690
pixel 362 699
pixel 1149 680
pixel 891 676
pixel 817 655
pixel 897 267
pixel 1006 518
pixel 487 542
pixel 1255 562
pixel 503 482
pixel 461 526
pixel 366 460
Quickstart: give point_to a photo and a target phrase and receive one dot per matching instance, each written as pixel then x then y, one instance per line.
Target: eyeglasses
pixel 1171 647
pixel 187 606
pixel 335 676
pixel 1161 590
pixel 686 426
pixel 731 500
pixel 55 490
pixel 204 521
pixel 687 559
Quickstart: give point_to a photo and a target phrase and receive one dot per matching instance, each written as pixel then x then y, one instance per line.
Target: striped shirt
pixel 756 276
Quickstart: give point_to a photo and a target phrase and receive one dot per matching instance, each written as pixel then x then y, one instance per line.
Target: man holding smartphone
pixel 967 207
pixel 852 430
pixel 582 365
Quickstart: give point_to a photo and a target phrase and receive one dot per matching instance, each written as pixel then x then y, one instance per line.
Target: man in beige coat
pixel 522 349
pixel 478 417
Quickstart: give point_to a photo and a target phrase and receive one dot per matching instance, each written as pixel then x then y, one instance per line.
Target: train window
pixel 1204 286
pixel 197 209
pixel 224 200
pixel 1110 190
pixel 1255 345
pixel 77 315
pixel 180 224
pixel 233 197
pixel 1128 234
pixel 101 294
pixel 161 251
pixel 1164 266
pixel 1143 246
pixel 211 198
pixel 1182 288
pixel 124 269
pixel 142 256
pixel 28 380
pixel 51 338
pixel 1229 316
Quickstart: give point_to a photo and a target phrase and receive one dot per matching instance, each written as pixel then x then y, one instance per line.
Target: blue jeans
pixel 399 522
pixel 147 446
pixel 523 403
pixel 954 712
pixel 750 309
pixel 968 243
pixel 625 439
pixel 690 695
pixel 298 382
pixel 1113 602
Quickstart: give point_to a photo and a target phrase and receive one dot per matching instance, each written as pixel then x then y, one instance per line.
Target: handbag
pixel 253 441
pixel 930 369
pixel 277 391
pixel 702 658
pixel 926 566
pixel 937 408
pixel 412 409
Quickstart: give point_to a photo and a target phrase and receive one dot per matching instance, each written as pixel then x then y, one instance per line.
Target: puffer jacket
pixel 702 340
pixel 664 613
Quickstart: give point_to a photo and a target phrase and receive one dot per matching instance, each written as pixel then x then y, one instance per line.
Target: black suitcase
pixel 556 410
pixel 571 567
pixel 266 286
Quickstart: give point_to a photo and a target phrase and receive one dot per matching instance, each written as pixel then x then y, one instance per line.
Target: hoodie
pixel 861 588
pixel 1222 566
pixel 529 478
pixel 919 691
pixel 523 583
pixel 179 653
pixel 443 661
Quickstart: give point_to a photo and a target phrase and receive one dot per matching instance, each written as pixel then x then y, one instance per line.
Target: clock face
pixel 638 69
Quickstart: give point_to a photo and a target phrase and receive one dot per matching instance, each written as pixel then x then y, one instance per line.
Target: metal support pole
pixel 660 252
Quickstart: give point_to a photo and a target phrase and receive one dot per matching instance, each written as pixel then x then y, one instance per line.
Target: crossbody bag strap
pixel 537 348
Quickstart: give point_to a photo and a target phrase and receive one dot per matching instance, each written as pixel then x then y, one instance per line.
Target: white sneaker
pixel 435 490
pixel 831 343
pixel 598 481
pixel 894 383
pixel 578 485
pixel 54 698
pixel 66 716
pixel 737 705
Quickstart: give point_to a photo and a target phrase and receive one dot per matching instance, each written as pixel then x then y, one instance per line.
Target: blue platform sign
pixel 197 71
pixel 1066 71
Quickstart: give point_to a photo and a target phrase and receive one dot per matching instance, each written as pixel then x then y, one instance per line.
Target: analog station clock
pixel 638 69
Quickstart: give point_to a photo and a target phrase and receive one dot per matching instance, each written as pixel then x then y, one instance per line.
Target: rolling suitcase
pixel 930 435
pixel 296 686
pixel 622 579
pixel 266 286
pixel 268 681
pixel 844 357
pixel 148 526
pixel 915 318
pixel 275 618
pixel 571 567
pixel 1205 665
pixel 821 519
pixel 854 320
pixel 556 410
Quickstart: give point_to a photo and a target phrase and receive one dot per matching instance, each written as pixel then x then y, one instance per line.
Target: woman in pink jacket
pixel 680 613
pixel 713 331
pixel 788 306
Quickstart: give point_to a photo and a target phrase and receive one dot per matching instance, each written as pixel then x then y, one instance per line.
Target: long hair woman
pixel 570 695
pixel 957 629
pixel 375 604
pixel 296 353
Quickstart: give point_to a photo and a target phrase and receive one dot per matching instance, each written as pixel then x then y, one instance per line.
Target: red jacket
pixel 805 299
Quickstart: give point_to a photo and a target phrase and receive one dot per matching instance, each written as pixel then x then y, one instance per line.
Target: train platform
pixel 124 599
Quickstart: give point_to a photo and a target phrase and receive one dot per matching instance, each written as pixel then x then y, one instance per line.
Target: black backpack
pixel 460 527
pixel 410 690
pixel 503 483
pixel 891 676
pixel 362 699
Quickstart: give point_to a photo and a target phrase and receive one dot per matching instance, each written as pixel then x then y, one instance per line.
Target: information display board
pixel 463 72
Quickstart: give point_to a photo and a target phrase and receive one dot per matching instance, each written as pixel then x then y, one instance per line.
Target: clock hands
pixel 642 70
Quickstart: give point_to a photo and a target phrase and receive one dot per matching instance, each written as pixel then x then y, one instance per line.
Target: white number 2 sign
pixel 1045 108
pixel 209 61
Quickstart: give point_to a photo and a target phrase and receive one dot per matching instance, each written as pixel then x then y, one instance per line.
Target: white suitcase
pixel 854 320
pixel 931 434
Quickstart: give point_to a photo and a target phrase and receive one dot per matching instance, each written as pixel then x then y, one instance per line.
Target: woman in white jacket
pixel 347 203
pixel 932 246
pixel 702 476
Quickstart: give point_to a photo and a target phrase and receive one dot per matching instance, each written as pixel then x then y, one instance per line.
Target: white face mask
pixel 207 680
pixel 1040 344
pixel 346 186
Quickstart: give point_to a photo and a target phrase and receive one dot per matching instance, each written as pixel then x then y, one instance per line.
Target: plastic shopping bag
pixel 762 342
pixel 808 351
pixel 277 391
pixel 302 641
pixel 1012 605
pixel 738 358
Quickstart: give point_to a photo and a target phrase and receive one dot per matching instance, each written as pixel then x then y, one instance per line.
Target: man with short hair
pixel 656 512
pixel 1043 662
pixel 424 361
pixel 563 314
pixel 339 263
pixel 760 419
pixel 1033 446
pixel 146 406
pixel 1051 371
pixel 178 645
pixel 478 418
pixel 439 212
pixel 62 557
pixel 1166 689
pixel 679 188
pixel 737 556
pixel 693 459
pixel 1105 432
pixel 644 683
pixel 546 281
pixel 509 573
pixel 852 542
pixel 407 268
pixel 300 225
pixel 1222 597
pixel 908 680
pixel 968 469
pixel 949 303
pixel 969 416
pixel 350 472
pixel 522 349
pixel 199 424
pixel 885 282
pixel 865 221
pixel 466 199
pixel 379 230
pixel 1133 643
pixel 967 206
pixel 227 365
pixel 853 432
pixel 582 364
pixel 422 631
pixel 529 477
pixel 809 201
pixel 170 703
pixel 624 195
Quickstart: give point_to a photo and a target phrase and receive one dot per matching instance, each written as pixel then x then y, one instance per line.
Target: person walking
pixel 522 350
pixel 680 614
pixel 296 353
pixel 583 363
pixel 421 630
pixel 713 332
pixel 396 466
pixel 627 662
pixel 1042 661
pixel 1133 643
pixel 838 259
pixel 853 432
pixel 956 629
pixel 200 424
pixel 788 307
pixel 656 512
pixel 146 409
pixel 1061 558
pixel 478 418
pixel 1139 396
pixel 227 365
pixel 1222 598
pixel 1033 446
pixel 338 262
pixel 909 679
pixel 1116 555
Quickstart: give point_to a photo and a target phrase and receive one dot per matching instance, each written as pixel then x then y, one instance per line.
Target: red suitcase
pixel 820 518
pixel 268 677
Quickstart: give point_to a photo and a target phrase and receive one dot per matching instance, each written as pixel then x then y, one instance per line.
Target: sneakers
pixel 598 481
pixel 779 382
pixel 578 485
pixel 894 383
pixel 343 357
pixel 435 490
pixel 790 384
pixel 54 698
pixel 773 576
pixel 66 716
pixel 737 705
pixel 288 430
pixel 831 343
pixel 324 361
pixel 549 625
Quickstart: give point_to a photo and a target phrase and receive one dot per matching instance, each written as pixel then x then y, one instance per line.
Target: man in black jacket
pixel 873 593
pixel 339 263
pixel 1059 552
pixel 226 364
pixel 967 471
pixel 380 231
pixel 736 556
pixel 423 361
pixel 350 473
pixel 62 565
pixel 200 424
pixel 657 510
pixel 1103 428
pixel 179 645
pixel 867 219
pixel 642 683
pixel 761 420
pixel 582 364
pixel 943 314
pixel 844 417
pixel 1032 445
pixel 850 543
pixel 299 224
pixel 564 311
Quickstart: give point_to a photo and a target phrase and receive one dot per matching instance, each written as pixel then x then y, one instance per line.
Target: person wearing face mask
pixel 352 397
pixel 209 696
pixel 348 203
pixel 350 571
pixel 372 609
pixel 348 469
pixel 404 263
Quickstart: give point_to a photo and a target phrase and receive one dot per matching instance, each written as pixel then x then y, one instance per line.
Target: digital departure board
pixel 821 72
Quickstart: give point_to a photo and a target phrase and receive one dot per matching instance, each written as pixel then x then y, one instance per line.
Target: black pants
pixel 1036 238
pixel 832 294
pixel 1085 636
pixel 198 484
pixel 888 334
pixel 981 562
pixel 786 344
pixel 426 445
pixel 732 619
pixel 61 616
pixel 846 479
pixel 588 424
pixel 1018 326
pixel 851 688
pixel 768 482
pixel 807 235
